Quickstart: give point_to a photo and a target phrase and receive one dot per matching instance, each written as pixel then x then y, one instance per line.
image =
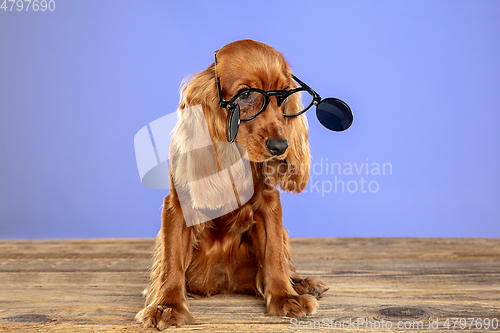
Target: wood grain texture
pixel 95 286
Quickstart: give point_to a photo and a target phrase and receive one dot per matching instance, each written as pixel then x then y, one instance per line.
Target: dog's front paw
pixel 311 285
pixel 164 316
pixel 292 305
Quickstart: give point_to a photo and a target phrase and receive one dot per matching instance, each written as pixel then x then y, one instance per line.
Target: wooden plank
pixel 95 286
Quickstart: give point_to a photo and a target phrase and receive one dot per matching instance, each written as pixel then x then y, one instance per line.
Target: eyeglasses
pixel 247 104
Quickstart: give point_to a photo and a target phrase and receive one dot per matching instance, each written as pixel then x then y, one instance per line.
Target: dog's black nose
pixel 276 146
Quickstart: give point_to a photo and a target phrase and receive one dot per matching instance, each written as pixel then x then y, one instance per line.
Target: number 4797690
pixel 34 5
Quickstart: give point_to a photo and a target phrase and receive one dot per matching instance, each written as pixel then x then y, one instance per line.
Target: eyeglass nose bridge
pixel 280 94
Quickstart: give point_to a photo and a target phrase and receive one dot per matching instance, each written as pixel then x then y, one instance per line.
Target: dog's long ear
pixel 199 163
pixel 201 89
pixel 292 174
pixel 298 159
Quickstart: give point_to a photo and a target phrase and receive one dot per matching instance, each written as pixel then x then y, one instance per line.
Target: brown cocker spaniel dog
pixel 241 250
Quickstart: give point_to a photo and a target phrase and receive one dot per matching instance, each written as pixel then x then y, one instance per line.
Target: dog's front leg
pixel 166 302
pixel 281 298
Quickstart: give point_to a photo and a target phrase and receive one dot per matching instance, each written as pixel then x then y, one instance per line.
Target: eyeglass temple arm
pixel 317 97
pixel 222 102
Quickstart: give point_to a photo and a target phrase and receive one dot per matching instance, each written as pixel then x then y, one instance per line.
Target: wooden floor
pixel 95 286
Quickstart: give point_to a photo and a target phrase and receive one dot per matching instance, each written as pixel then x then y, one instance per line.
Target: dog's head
pixel 279 144
pixel 249 64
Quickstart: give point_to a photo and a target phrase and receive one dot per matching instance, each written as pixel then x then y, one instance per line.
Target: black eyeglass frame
pixel 282 96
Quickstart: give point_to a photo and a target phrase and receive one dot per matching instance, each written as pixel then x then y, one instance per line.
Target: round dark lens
pixel 334 114
pixel 233 123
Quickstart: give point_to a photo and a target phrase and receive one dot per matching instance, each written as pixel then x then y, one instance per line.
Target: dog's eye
pixel 250 102
pixel 246 97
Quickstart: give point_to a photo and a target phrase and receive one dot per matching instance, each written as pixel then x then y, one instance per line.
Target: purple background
pixel 422 78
